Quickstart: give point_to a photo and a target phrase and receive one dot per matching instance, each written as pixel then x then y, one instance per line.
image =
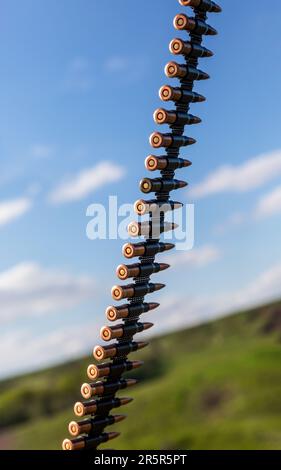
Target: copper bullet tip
pixel 147 326
pixel 159 287
pixel 142 344
pixel 137 364
pixel 164 266
pixel 119 418
pixel 131 382
pixel 125 400
pixel 154 305
pixel 112 435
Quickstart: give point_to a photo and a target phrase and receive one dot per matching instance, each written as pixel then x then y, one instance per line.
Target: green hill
pixel 216 386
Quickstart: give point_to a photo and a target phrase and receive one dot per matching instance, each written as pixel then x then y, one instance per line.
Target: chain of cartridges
pixel 106 378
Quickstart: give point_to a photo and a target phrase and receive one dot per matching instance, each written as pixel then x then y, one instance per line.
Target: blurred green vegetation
pixel 215 386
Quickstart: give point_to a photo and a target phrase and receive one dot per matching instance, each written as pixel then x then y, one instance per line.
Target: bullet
pixel 148 185
pixel 175 70
pixel 108 333
pixel 132 250
pixel 187 48
pixel 103 405
pixel 105 388
pixel 203 5
pixel 125 271
pixel 85 443
pixel 113 351
pixel 104 370
pixel 176 94
pixel 150 229
pixel 184 23
pixel 158 140
pixel 162 116
pixel 154 206
pixel 153 163
pixel 93 425
pixel 135 290
pixel 129 310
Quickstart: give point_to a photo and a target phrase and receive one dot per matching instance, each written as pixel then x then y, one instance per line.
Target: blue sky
pixel 78 86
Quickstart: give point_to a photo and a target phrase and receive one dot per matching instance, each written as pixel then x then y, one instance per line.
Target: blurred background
pixel 78 86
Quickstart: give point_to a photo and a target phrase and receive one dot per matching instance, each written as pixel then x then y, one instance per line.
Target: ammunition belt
pixel 90 433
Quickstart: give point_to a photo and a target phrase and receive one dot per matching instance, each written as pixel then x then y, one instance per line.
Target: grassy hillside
pixel 216 386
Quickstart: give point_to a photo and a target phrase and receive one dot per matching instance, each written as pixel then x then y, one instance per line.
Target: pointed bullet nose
pixel 131 382
pixel 159 286
pixel 196 120
pixel 209 53
pixel 119 418
pixel 125 400
pixel 205 75
pixel 183 184
pixel 142 344
pixel 187 163
pixel 192 141
pixel 137 364
pixel 169 246
pixel 113 435
pixel 164 266
pixel 147 326
pixel 153 305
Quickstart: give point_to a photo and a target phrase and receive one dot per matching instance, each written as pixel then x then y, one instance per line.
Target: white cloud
pixel 27 289
pixel 13 209
pixel 133 68
pixel 234 220
pixel 197 257
pixel 41 151
pixel 37 352
pixel 249 175
pixel 179 312
pixel 269 204
pixel 86 182
pixel 116 63
pixel 79 76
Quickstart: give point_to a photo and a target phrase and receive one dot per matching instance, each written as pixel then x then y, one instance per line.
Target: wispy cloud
pixel 85 182
pixel 249 175
pixel 134 67
pixel 197 257
pixel 12 209
pixel 28 289
pixel 41 151
pixel 269 204
pixel 233 221
pixel 177 312
pixel 79 75
pixel 44 349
